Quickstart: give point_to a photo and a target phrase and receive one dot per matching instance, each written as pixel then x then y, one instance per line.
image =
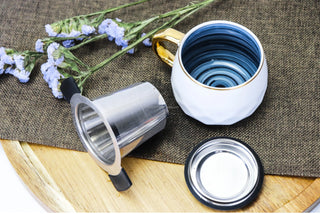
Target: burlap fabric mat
pixel 284 130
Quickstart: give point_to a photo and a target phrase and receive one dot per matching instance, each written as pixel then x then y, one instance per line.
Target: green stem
pixel 203 4
pixel 178 16
pixel 180 11
pixel 102 36
pixel 34 53
pixel 185 9
pixel 104 12
pixel 120 53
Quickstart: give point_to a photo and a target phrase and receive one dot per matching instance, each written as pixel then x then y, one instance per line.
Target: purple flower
pixel 74 33
pixel 131 51
pixel 120 41
pixel 19 71
pixel 19 61
pixel 6 59
pixel 50 70
pixel 39 46
pixel 112 29
pixel 52 48
pixel 120 33
pixel 52 76
pixel 50 31
pixel 9 70
pixel 6 62
pixel 62 35
pixel 2 52
pixel 1 67
pixel 55 88
pixel 147 41
pixel 125 44
pixel 87 30
pixel 22 75
pixel 114 32
pixel 68 43
pixel 102 29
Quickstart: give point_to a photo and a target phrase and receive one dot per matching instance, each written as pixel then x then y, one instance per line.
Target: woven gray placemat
pixel 284 130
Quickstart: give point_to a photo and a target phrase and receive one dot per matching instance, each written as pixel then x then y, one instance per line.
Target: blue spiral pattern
pixel 221 55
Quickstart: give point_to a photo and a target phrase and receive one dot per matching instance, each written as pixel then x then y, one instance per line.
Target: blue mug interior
pixel 221 55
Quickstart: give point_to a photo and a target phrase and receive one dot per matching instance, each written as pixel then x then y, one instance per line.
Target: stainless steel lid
pixel 224 173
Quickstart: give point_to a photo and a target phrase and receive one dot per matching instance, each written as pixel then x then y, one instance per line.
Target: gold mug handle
pixel 170 35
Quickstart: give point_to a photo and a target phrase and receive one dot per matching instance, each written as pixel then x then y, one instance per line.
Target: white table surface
pixel 15 197
pixel 14 194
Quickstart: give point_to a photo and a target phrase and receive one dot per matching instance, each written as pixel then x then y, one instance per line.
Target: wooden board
pixel 66 180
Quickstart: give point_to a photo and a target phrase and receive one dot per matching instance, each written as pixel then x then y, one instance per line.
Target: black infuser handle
pixel 121 181
pixel 68 88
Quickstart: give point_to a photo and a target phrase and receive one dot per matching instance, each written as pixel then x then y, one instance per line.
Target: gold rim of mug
pixel 262 58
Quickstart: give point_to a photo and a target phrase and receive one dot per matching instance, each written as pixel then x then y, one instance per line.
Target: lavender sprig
pixel 18 64
pixel 81 27
pixel 73 33
pixel 125 34
pixel 129 35
pixel 60 60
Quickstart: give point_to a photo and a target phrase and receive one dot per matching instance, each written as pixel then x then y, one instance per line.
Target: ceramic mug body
pixel 219 73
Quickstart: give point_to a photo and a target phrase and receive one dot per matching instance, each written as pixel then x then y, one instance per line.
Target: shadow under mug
pixel 219 73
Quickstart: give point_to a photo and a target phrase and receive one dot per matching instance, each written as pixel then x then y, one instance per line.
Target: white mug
pixel 219 73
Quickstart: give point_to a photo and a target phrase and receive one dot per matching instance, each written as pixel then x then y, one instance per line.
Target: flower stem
pixel 178 15
pixel 102 36
pixel 104 12
pixel 92 70
pixel 201 5
pixel 34 53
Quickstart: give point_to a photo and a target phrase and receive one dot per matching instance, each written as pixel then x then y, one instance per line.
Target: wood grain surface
pixel 66 180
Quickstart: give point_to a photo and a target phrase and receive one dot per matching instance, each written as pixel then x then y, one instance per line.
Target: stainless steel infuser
pixel 224 173
pixel 111 126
